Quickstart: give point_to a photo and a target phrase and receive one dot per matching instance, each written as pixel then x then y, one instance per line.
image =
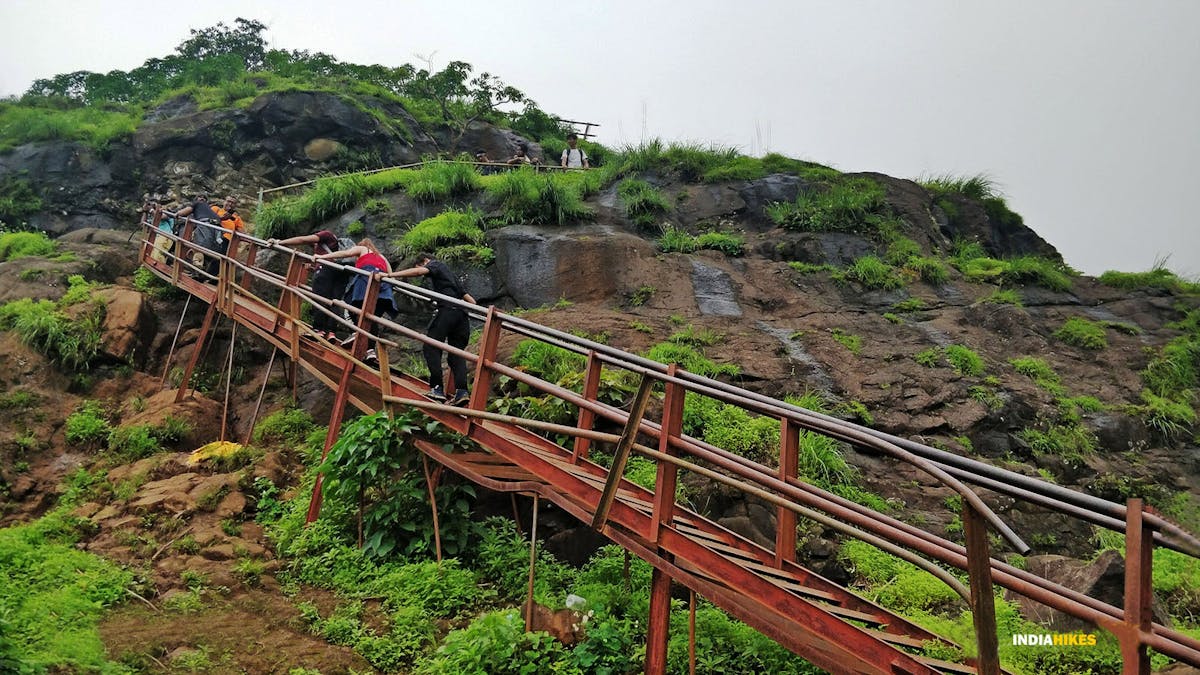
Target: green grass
pixel 929 270
pixel 15 245
pixel 674 240
pixel 17 201
pixel 52 595
pixel 871 272
pixel 527 197
pixel 977 187
pixel 929 358
pixel 976 266
pixel 1156 277
pixel 471 254
pixel 690 359
pixel 95 126
pixel 845 205
pixel 72 342
pixel 849 341
pixel 547 361
pixel 442 181
pixel 964 360
pixel 1004 296
pixel 910 305
pixel 810 268
pixel 644 203
pixel 1082 333
pixel 446 228
pixel 1040 372
pixel 286 426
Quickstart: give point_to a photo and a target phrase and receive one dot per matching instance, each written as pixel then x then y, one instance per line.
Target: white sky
pixel 1085 112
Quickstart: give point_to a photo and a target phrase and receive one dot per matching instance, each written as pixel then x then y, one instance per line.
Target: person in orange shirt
pixel 232 222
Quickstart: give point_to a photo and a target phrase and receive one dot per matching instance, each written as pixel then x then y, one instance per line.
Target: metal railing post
pixel 587 418
pixel 1139 549
pixel 983 603
pixel 665 478
pixel 789 467
pixel 488 343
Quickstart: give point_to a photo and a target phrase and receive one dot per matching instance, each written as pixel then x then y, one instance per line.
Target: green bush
pixel 845 205
pixel 471 254
pixel 977 187
pixel 848 340
pixel 964 360
pixel 15 245
pixel 1082 333
pixel 133 442
pixel 929 357
pixel 286 426
pixel 895 583
pixel 1070 442
pixel 675 240
pixel 929 270
pixel 872 272
pixel 17 201
pixel 1040 372
pixel 809 268
pixel 94 125
pixel 690 359
pixel 496 644
pixel 528 197
pixel 900 250
pixel 547 361
pixel 1156 277
pixel 644 203
pixel 1006 296
pixel 88 424
pixel 442 589
pixel 1169 417
pixel 53 596
pixel 448 227
pixel 738 168
pixel 441 181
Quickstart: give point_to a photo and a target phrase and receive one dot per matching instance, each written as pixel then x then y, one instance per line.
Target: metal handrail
pixel 947 468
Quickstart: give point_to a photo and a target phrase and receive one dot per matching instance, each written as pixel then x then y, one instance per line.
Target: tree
pixel 460 100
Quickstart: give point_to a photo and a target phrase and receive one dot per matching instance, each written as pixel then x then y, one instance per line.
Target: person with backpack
pixel 371 261
pixel 450 324
pixel 206 235
pixel 573 157
pixel 327 281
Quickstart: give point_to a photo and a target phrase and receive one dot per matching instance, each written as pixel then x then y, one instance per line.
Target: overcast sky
pixel 1085 112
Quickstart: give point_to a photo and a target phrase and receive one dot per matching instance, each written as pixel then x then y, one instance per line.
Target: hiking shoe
pixel 371 359
pixel 461 397
pixel 436 393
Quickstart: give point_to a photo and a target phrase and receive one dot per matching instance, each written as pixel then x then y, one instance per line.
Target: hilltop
pixel 925 309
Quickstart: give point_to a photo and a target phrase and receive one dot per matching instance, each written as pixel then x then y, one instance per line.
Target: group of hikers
pixel 573 157
pixel 213 230
pixel 450 323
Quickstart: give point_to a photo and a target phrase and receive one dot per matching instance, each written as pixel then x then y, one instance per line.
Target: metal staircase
pixel 825 623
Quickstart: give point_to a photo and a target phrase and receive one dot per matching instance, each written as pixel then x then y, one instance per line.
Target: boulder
pixel 130 324
pixel 1103 579
pixel 756 195
pixel 540 265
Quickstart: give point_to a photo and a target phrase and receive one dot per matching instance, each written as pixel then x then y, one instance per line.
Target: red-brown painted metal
pixel 765 588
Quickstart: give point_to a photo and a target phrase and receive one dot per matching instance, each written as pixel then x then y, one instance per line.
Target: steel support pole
pixel 489 341
pixel 621 455
pixel 785 519
pixel 587 417
pixel 205 327
pixel 983 607
pixel 532 566
pixel 659 623
pixel 1139 549
pixel 665 478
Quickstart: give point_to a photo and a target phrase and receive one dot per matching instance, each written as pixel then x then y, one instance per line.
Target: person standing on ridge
pixel 574 157
pixel 327 281
pixel 370 260
pixel 450 324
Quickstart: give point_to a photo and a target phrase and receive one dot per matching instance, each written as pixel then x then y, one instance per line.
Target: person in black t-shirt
pixel 450 324
pixel 327 281
pixel 206 235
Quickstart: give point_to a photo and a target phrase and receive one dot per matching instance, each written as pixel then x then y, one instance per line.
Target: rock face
pixel 129 324
pixel 1103 579
pixel 282 137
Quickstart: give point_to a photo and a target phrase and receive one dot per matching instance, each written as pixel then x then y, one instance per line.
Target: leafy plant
pixel 441 181
pixel 14 245
pixel 844 205
pixel 644 203
pixel 448 227
pixel 1004 296
pixel 964 360
pixel 848 340
pixel 871 272
pixel 1082 333
pixel 1040 372
pixel 286 426
pixel 528 197
pixel 641 296
pixel 88 424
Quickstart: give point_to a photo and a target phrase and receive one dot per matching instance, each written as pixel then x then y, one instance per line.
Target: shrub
pixel 894 582
pixel 15 245
pixel 644 203
pixel 964 360
pixel 495 642
pixel 547 361
pixel 287 426
pixel 1168 417
pixel 1007 296
pixel 1156 277
pixel 848 340
pixel 872 272
pixel 1082 333
pixel 448 227
pixel 1040 372
pixel 440 181
pixel 88 424
pixel 929 270
pixel 442 589
pixel 900 250
pixel 1039 271
pixel 846 205
pixel 677 241
pixel 1067 441
pixel 809 268
pixel 133 442
pixel 17 200
pixel 72 343
pixel 529 197
pixel 977 187
pixel 471 254
pixel 909 305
